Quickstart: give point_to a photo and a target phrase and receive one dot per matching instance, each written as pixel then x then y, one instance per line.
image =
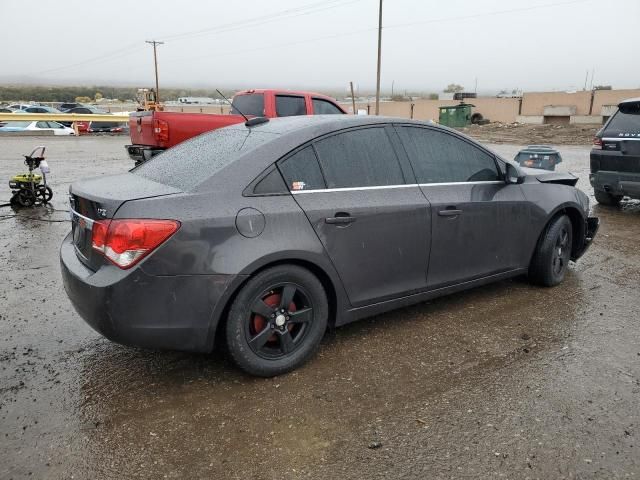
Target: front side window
pixel 301 171
pixel 359 158
pixel 289 106
pixel 438 157
pixel 323 107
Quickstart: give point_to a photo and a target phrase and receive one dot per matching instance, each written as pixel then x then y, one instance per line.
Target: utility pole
pixel 155 61
pixel 353 99
pixel 379 59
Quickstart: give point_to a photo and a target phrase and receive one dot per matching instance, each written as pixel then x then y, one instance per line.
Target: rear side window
pixel 251 104
pixel 323 107
pixel 438 157
pixel 626 120
pixel 301 171
pixel 359 158
pixel 289 105
pixel 192 162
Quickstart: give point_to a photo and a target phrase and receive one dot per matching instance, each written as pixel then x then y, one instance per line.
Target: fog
pixel 494 44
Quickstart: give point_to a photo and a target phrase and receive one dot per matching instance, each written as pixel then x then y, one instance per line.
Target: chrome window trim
pixel 384 187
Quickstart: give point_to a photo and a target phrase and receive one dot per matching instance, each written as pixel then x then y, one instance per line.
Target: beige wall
pixel 495 109
pixel 611 97
pixel 533 103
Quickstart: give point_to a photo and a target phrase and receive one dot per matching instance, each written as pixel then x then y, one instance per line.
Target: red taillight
pixel 597 143
pixel 125 242
pixel 161 130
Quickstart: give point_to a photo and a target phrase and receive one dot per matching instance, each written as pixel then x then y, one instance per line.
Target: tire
pixel 26 198
pixel 264 336
pixel 476 118
pixel 607 199
pixel 45 194
pixel 551 258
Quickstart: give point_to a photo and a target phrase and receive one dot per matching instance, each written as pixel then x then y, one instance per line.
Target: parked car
pixel 68 105
pixel 615 156
pixel 21 126
pixel 153 132
pixel 105 127
pixel 20 106
pixel 544 157
pixel 266 234
pixel 86 109
pixel 83 126
pixel 41 109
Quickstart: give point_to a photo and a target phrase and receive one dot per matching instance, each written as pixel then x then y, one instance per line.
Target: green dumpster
pixel 455 115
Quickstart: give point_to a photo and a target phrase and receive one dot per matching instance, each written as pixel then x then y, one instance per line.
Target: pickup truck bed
pixel 153 132
pixel 160 130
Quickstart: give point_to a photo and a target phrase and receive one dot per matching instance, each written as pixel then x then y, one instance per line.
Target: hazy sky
pixel 526 44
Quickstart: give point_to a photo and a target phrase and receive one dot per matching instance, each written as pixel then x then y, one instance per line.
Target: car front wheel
pixel 277 321
pixel 551 258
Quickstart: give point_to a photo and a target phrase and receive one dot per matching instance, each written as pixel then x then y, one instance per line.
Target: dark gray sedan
pixel 263 235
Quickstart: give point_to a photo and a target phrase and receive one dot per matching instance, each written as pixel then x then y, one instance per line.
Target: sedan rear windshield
pixel 627 119
pixel 192 162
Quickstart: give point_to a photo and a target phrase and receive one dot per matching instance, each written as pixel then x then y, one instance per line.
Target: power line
pixel 486 14
pixel 252 22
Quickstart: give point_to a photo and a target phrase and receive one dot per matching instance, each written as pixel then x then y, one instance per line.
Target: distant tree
pixel 433 96
pixel 453 88
pixel 98 96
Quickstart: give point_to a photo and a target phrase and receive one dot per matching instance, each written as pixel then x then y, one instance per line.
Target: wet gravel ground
pixel 504 381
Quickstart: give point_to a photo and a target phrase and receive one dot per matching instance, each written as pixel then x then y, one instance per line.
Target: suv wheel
pixel 276 322
pixel 606 198
pixel 551 258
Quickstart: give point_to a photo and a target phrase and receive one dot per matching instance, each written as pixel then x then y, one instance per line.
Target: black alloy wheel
pixel 277 320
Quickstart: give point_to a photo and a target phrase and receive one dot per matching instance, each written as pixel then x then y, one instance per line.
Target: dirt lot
pixel 533 134
pixel 505 381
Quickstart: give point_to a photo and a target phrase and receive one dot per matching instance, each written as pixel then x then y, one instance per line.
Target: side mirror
pixel 514 175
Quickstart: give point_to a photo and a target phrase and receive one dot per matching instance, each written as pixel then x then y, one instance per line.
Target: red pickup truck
pixel 153 132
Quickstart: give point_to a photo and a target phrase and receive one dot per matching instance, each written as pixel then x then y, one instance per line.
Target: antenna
pixel 232 105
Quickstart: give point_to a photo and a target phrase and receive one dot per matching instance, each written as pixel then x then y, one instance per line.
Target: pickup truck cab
pixel 155 131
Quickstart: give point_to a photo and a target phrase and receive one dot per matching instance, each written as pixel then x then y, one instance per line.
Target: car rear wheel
pixel 606 198
pixel 551 258
pixel 276 322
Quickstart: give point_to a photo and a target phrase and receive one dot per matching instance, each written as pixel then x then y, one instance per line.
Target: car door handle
pixel 340 219
pixel 449 212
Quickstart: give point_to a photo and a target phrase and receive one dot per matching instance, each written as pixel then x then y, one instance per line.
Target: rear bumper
pixel 616 183
pixel 133 308
pixel 142 153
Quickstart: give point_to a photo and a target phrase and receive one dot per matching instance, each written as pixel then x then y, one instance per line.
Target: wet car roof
pixel 323 122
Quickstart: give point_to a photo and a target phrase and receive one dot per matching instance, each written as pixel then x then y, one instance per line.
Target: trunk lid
pixel 98 199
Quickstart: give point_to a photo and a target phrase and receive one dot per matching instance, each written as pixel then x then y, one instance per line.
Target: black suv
pixel 615 157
